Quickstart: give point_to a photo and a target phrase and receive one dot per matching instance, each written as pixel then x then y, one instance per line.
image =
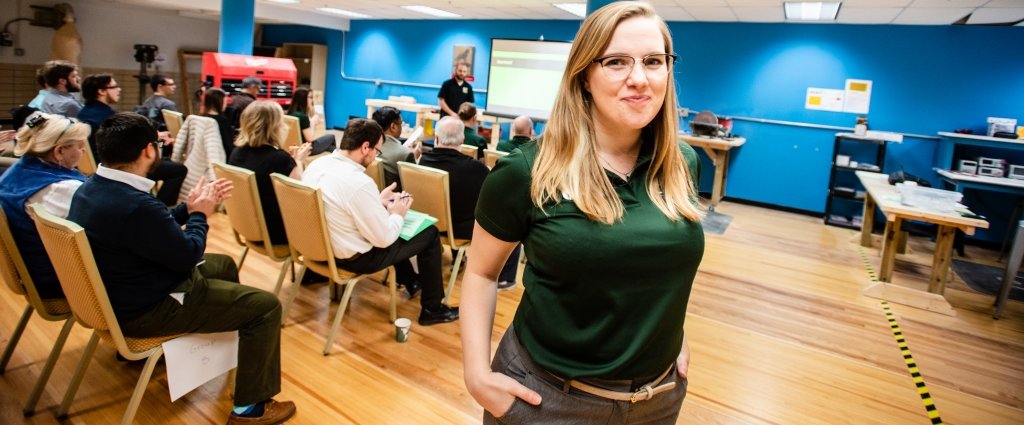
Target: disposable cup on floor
pixel 402 326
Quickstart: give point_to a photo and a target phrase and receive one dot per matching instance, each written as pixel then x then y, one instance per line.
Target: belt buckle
pixel 643 393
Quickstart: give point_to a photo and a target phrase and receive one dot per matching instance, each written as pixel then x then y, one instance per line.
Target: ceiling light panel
pixel 431 11
pixel 342 12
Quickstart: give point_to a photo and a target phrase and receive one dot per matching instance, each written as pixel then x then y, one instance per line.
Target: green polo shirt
pixel 601 301
pixel 475 139
pixel 514 142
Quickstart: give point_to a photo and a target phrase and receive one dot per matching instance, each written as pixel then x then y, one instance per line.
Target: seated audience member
pixel 392 151
pixel 62 79
pixel 465 179
pixel 522 132
pixel 198 146
pixel 242 99
pixel 163 89
pixel 214 102
pixel 364 223
pixel 99 91
pixel 467 113
pixel 156 275
pixel 37 102
pixel 50 147
pixel 302 108
pixel 259 150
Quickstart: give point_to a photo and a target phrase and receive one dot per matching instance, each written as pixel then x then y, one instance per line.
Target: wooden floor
pixel 778 329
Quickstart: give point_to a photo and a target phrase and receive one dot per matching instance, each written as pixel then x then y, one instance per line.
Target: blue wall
pixel 926 79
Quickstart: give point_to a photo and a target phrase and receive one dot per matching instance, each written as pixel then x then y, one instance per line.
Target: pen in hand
pixel 400 197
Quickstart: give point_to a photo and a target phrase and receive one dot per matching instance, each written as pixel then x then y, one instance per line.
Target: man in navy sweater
pixel 156 274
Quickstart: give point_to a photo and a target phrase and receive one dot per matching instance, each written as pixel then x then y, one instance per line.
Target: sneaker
pixel 274 412
pixel 439 314
pixel 505 285
pixel 412 289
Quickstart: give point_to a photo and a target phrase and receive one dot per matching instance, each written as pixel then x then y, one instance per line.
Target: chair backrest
pixel 469 150
pixel 294 135
pixel 174 121
pixel 302 211
pixel 15 274
pixel 491 156
pixel 429 189
pixel 376 172
pixel 12 267
pixel 245 212
pixel 87 165
pixel 72 257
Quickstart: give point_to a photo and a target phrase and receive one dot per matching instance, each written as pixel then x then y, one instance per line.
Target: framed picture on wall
pixel 464 54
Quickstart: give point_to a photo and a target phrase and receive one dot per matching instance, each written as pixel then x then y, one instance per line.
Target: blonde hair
pixel 47 131
pixel 567 163
pixel 262 123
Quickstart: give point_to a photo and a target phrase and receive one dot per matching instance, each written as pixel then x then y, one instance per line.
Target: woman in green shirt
pixel 606 204
pixel 301 108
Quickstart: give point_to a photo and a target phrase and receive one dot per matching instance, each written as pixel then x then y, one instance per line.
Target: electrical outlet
pixel 18 51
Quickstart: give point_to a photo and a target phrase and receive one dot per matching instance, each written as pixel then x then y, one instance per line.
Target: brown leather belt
pixel 645 392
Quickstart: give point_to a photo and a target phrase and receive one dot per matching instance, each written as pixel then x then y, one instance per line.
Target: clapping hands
pixel 206 195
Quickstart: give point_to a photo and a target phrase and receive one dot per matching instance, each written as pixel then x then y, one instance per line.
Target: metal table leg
pixel 1012 267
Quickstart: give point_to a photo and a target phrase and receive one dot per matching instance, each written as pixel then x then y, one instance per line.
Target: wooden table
pixel 419 108
pixel 886 197
pixel 718 150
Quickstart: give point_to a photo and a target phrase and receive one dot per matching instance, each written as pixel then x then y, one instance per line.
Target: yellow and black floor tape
pixel 908 358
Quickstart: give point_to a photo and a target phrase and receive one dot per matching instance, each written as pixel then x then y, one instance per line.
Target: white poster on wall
pixel 824 99
pixel 858 96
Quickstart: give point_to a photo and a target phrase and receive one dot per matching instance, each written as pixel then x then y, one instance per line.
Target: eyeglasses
pixel 379 152
pixel 159 144
pixel 112 87
pixel 619 66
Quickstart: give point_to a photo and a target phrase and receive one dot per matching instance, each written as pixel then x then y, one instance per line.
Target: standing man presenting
pixel 455 91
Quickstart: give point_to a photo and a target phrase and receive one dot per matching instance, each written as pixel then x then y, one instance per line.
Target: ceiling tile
pixel 712 14
pixel 760 14
pixel 948 3
pixel 1004 3
pixel 674 14
pixel 701 3
pixel 931 15
pixel 867 15
pixel 995 15
pixel 875 3
pixel 755 3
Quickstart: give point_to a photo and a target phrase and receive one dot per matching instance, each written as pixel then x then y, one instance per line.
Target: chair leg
pixel 341 313
pixel 280 276
pixel 241 258
pixel 455 274
pixel 390 277
pixel 291 294
pixel 44 376
pixel 140 387
pixel 76 379
pixel 18 330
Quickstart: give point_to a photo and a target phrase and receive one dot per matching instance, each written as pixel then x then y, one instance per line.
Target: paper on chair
pixel 415 222
pixel 195 359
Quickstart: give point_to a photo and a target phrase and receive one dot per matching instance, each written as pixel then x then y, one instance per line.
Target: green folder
pixel 415 222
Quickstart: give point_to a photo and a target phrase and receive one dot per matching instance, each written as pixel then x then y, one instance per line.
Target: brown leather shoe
pixel 274 412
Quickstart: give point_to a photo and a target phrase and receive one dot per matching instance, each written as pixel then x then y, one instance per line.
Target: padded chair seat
pixel 138 345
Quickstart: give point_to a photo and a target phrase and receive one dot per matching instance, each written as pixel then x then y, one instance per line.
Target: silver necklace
pixel 625 176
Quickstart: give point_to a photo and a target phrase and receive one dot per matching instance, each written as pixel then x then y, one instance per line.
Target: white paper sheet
pixel 193 360
pixel 858 96
pixel 824 99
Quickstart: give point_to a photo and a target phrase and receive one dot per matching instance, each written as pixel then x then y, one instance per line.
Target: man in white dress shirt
pixel 364 223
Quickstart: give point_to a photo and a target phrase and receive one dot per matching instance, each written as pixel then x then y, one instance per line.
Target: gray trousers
pixel 216 302
pixel 572 406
